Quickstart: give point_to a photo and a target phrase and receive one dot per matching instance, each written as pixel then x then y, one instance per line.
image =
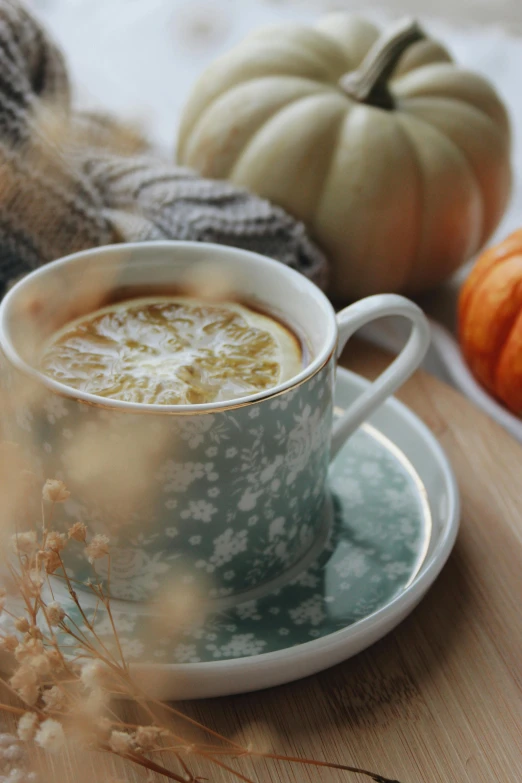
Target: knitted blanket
pixel 70 181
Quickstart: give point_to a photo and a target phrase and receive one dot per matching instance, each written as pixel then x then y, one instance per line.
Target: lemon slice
pixel 172 351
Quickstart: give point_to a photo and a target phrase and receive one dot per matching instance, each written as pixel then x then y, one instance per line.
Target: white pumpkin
pixel 396 159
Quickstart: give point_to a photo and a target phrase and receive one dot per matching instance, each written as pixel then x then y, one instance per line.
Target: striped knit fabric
pixel 70 181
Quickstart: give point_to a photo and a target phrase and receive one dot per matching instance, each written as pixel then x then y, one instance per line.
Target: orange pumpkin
pixel 490 321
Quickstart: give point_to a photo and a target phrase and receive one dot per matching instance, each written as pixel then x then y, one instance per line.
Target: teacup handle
pixel 353 318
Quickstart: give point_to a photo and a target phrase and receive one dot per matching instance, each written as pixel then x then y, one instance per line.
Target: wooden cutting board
pixel 439 700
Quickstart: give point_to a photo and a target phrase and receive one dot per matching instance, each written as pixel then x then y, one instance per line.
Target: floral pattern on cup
pixel 375 548
pixel 229 500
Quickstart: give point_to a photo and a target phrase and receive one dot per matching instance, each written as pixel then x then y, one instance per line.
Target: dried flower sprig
pixel 65 674
pixel 13 767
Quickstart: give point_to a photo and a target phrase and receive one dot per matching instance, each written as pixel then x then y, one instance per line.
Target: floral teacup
pixel 230 495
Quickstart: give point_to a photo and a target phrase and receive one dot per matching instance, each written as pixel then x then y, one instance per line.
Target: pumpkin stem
pixel 369 83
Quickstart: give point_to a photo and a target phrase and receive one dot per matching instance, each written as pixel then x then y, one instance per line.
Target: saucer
pixel 394 526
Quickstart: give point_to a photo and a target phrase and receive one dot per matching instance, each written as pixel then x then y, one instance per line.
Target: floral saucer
pixel 394 526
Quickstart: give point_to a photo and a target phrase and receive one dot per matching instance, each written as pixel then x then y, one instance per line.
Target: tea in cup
pixel 191 425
